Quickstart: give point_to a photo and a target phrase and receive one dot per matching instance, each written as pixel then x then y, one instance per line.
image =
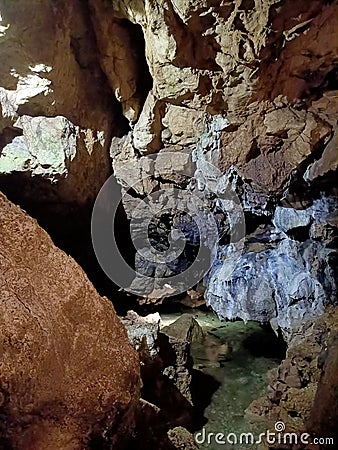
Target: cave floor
pixel 238 355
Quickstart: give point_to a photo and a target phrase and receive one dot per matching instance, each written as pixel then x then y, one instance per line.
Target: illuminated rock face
pixel 67 371
pixel 245 87
pixel 230 88
pixel 52 88
pixel 286 279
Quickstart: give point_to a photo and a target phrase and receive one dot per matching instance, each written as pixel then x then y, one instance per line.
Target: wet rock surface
pixel 230 367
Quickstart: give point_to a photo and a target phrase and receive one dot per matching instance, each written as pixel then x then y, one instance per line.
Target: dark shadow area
pixel 300 234
pixel 203 386
pixel 144 78
pixel 265 343
pixel 69 226
pixel 253 221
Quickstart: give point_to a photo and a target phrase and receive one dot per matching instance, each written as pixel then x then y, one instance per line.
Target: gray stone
pixel 46 148
pixel 284 285
pixel 185 328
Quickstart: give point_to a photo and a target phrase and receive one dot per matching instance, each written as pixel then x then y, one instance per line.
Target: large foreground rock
pixel 67 371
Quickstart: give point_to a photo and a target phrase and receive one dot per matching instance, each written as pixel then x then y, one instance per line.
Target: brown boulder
pixel 67 371
pixel 324 413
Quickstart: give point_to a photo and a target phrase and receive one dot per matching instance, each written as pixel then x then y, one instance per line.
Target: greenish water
pixel 238 356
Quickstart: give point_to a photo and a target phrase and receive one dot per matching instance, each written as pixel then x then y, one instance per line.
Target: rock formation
pixel 301 392
pixel 235 97
pixel 57 115
pixel 218 120
pixel 166 363
pixel 67 371
pixel 254 124
pixel 166 406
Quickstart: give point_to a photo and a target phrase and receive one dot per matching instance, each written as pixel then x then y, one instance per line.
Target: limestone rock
pixel 182 126
pixel 182 439
pixel 166 366
pixel 185 328
pixel 324 412
pixel 46 148
pixel 67 371
pixel 147 130
pixel 283 284
pixel 222 56
pixel 327 108
pixel 230 88
pixel 181 334
pixel 143 333
pixel 272 142
pixel 62 79
pixel 122 57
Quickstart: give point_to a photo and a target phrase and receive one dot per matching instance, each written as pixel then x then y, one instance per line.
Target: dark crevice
pixel 301 194
pixel 7 136
pixel 119 124
pixel 144 80
pixel 248 5
pixel 300 234
pixel 328 83
pixel 69 226
pixel 238 24
pixel 225 10
pixel 130 36
pixel 253 152
pixel 253 222
pixel 265 343
pixel 202 388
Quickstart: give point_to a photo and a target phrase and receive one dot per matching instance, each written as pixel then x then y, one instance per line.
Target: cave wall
pixel 248 90
pixel 234 96
pixel 217 119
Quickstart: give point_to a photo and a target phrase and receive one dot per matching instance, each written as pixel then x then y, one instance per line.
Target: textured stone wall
pixel 244 93
pixel 220 113
pixel 247 89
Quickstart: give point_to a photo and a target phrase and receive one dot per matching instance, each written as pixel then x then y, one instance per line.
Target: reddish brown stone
pixel 66 369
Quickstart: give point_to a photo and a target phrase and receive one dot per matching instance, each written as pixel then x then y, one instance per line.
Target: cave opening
pixel 144 80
